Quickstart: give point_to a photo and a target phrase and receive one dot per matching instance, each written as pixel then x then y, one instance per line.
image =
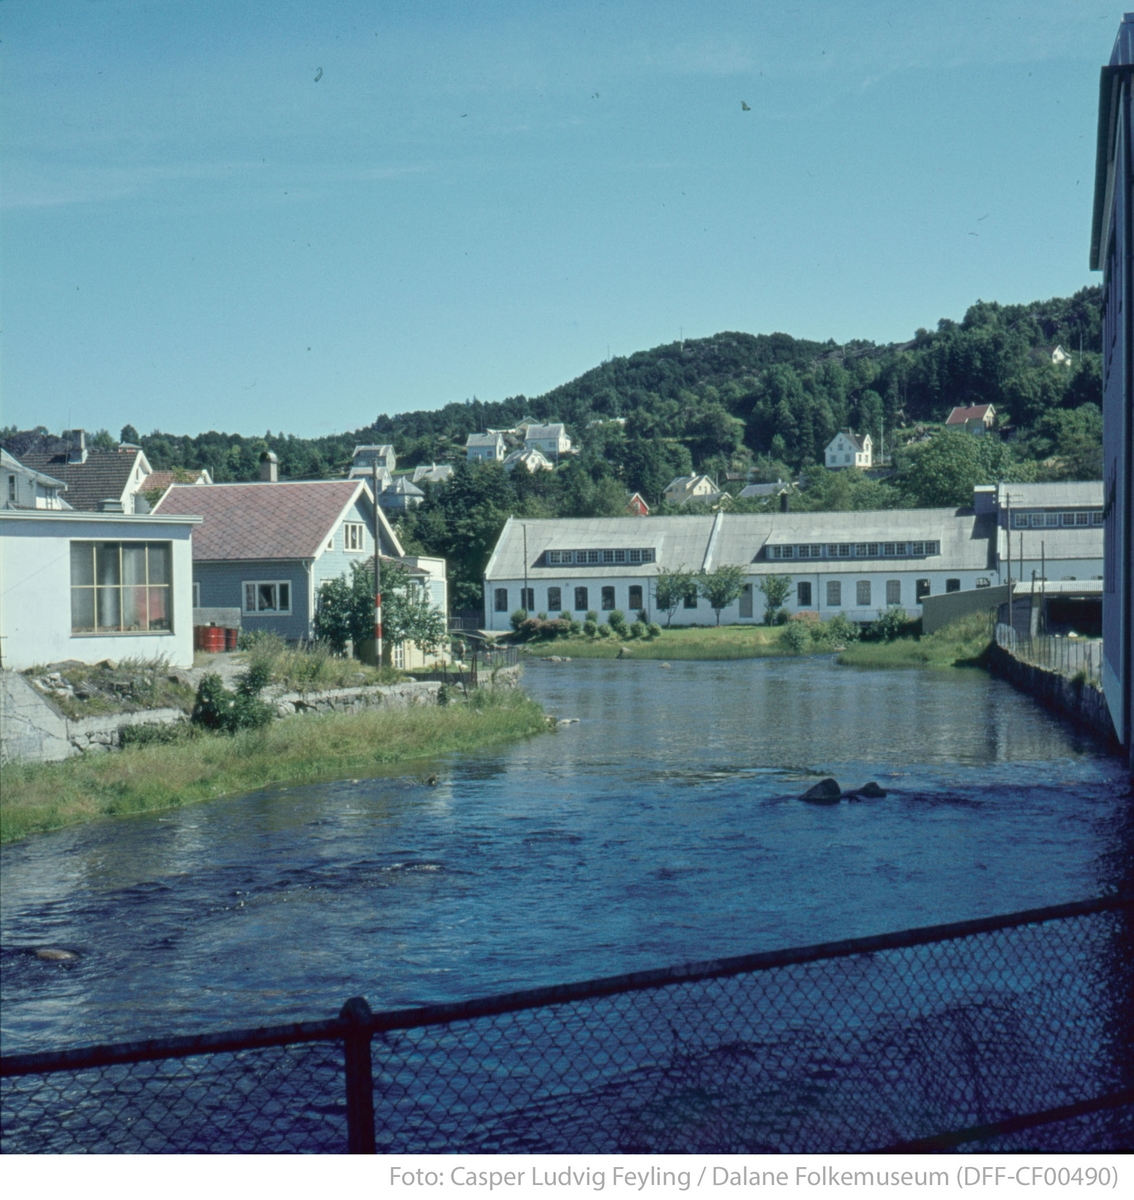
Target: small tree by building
pixel 775 589
pixel 721 587
pixel 346 609
pixel 671 586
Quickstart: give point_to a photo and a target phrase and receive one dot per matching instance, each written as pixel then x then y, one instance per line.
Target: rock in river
pixel 826 791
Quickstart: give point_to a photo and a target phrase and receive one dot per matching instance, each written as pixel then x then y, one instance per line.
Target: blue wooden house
pixel 266 547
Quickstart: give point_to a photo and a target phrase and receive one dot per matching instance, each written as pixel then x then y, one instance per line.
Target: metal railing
pixel 1006 1033
pixel 1063 655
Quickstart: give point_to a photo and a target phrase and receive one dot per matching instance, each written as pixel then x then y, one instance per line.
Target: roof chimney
pixel 269 467
pixel 785 502
pixel 77 450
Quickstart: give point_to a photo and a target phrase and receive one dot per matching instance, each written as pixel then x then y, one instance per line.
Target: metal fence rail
pixel 1010 1032
pixel 1063 655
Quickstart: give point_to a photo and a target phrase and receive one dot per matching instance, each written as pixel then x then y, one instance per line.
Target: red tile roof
pixel 960 415
pixel 260 520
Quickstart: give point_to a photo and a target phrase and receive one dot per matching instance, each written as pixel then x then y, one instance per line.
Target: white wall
pixel 35 589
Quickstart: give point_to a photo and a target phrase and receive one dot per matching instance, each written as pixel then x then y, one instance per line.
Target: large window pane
pixel 109 608
pixel 158 607
pixel 159 562
pixel 82 564
pixel 107 563
pixel 133 608
pixel 82 607
pixel 134 564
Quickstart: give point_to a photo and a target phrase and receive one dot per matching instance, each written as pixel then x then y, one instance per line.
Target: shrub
pixel 617 619
pixel 891 624
pixel 574 629
pixel 154 735
pixel 838 631
pixel 604 631
pixel 443 694
pixel 590 627
pixel 518 618
pixel 260 639
pixel 541 616
pixel 639 629
pixel 226 712
pixel 643 616
pixel 795 637
pixel 654 630
pixel 592 615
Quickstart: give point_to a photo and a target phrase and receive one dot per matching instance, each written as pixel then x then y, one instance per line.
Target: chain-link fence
pixel 1064 655
pixel 1006 1033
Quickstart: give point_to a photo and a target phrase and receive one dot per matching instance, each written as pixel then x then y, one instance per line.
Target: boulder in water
pixel 826 791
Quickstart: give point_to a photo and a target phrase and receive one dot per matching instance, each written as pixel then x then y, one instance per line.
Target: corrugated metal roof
pixel 1067 494
pixel 261 520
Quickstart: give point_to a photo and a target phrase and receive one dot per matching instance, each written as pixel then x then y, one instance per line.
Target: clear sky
pixel 277 215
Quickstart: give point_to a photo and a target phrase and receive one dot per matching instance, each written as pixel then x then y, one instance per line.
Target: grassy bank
pixel 959 644
pixel 727 641
pixel 296 749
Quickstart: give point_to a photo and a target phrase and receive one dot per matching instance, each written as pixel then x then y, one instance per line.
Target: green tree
pixel 775 589
pixel 346 609
pixel 721 587
pixel 671 586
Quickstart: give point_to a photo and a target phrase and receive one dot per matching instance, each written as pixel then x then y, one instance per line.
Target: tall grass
pixel 706 643
pixel 962 643
pixel 144 778
pixel 312 667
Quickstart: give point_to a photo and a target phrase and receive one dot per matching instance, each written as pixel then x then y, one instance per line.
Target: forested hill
pixel 734 401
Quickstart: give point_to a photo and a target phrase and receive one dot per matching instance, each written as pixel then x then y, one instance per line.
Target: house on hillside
pixel 978 419
pixel 434 473
pixel 847 449
pixel 97 480
pixel 549 440
pixel 637 506
pixel 363 458
pixel 266 548
pixel 155 485
pixel 400 495
pixel 698 489
pixel 759 491
pixel 89 586
pixel 530 459
pixel 1060 357
pixel 21 487
pixel 485 447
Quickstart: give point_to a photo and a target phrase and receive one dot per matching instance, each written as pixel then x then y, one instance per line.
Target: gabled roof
pixel 484 439
pixel 105 475
pixel 434 473
pixel 404 486
pixel 859 443
pixel 959 416
pixel 543 432
pixel 265 520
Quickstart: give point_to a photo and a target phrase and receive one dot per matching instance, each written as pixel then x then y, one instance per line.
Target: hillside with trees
pixel 753 407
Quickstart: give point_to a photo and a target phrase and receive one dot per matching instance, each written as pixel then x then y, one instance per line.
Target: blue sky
pixel 490 198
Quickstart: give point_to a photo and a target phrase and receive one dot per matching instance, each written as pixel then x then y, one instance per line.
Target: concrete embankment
pixel 1082 702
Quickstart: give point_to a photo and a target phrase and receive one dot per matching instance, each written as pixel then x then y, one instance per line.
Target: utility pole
pixel 524 597
pixel 377 572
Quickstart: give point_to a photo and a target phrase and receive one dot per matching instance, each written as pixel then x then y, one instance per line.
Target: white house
pixel 97 480
pixel 90 586
pixel 485 447
pixel 847 449
pixel 977 419
pixel 530 459
pixel 434 473
pixel 685 488
pixel 21 487
pixel 550 440
pixel 855 563
pixel 363 458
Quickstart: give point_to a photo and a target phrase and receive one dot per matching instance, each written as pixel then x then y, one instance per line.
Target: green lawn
pixel 698 642
pixel 960 644
pixel 143 778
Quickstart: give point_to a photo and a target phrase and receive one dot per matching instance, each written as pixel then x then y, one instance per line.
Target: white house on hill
pixel 485 447
pixel 550 440
pixel 847 449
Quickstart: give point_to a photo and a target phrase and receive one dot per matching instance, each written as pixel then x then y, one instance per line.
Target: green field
pixel 35 798
pixel 697 642
pixel 960 644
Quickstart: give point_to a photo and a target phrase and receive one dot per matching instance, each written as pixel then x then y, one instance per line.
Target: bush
pixel 260 639
pixel 617 619
pixel 574 629
pixel 654 630
pixel 891 624
pixel 226 712
pixel 518 618
pixel 154 735
pixel 639 629
pixel 592 615
pixel 643 616
pixel 541 616
pixel 795 637
pixel 590 627
pixel 604 631
pixel 838 631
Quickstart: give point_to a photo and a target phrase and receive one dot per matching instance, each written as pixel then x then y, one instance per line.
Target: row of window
pixel 607 603
pixel 1053 520
pixel 595 558
pixel 856 550
pixel 804 595
pixel 121 587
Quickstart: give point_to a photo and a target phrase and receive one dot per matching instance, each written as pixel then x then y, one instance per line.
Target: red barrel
pixel 212 639
pixel 231 637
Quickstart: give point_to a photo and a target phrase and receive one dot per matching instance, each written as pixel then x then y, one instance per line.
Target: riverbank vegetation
pixel 301 749
pixel 698 642
pixel 962 643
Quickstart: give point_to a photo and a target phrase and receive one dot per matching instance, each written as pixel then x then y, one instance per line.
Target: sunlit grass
pixel 706 643
pixel 35 798
pixel 961 643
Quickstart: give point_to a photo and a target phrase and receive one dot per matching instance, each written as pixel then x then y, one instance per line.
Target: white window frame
pixel 354 537
pixel 196 594
pixel 256 585
pixel 112 592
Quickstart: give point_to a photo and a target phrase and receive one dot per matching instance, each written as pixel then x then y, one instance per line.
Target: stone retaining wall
pixel 1082 702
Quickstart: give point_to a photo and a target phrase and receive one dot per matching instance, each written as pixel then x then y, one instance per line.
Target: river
pixel 662 827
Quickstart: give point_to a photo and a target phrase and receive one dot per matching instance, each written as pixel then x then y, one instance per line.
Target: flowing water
pixel 664 826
